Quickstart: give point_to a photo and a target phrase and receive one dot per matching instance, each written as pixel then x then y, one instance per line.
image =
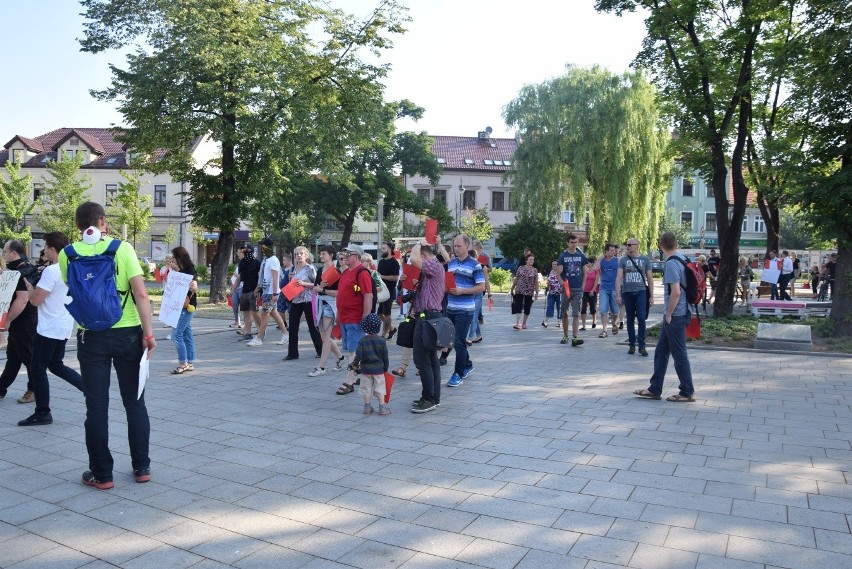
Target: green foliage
pixel 146 270
pixel 499 278
pixel 392 224
pixel 594 139
pixel 130 208
pixel 170 235
pixel 203 273
pixel 798 233
pixel 439 210
pixel 545 241
pixel 476 224
pixel 671 222
pixel 15 201
pixel 63 192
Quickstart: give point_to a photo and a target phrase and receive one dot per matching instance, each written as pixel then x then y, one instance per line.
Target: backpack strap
pixel 70 252
pixel 112 247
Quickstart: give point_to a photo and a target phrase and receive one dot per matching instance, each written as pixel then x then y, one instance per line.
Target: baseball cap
pixel 354 249
pixel 247 246
pixel 266 242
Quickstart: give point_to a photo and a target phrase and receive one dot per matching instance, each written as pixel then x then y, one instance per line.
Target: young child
pixel 371 358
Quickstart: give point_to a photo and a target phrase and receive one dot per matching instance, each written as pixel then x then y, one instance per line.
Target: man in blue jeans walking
pixel 461 304
pixel 673 334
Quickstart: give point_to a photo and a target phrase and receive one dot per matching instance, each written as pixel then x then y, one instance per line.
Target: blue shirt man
pixel 461 304
pixel 607 303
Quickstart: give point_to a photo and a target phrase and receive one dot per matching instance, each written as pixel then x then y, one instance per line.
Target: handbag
pixel 405 333
pixel 440 333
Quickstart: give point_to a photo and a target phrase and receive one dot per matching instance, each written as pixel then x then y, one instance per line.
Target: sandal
pixel 603 334
pixel 391 333
pixel 646 394
pixel 678 398
pixel 189 367
pixel 399 372
pixel 345 389
pixel 614 330
pixel 180 369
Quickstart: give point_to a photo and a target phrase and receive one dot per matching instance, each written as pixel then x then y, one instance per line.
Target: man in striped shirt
pixel 461 303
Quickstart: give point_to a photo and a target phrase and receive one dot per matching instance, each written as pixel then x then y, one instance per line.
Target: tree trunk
pixel 841 296
pixel 219 277
pixel 772 218
pixel 348 223
pixel 724 280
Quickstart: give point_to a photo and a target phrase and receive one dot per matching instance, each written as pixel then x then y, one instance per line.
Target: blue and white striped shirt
pixel 468 274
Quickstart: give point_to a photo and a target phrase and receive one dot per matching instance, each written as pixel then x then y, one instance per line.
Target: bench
pixel 764 290
pixel 779 308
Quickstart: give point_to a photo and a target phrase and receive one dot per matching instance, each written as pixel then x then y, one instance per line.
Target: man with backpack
pixel 680 287
pixel 115 329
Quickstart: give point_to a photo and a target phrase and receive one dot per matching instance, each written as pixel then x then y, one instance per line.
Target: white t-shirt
pixel 54 320
pixel 270 264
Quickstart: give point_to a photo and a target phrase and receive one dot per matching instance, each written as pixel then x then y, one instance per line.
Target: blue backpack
pixel 95 301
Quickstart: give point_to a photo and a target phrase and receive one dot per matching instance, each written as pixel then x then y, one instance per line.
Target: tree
pixel 594 139
pixel 63 192
pixel 267 79
pixel 823 170
pixel 671 222
pixel 439 210
pixel 797 233
pixel 130 209
pixel 701 55
pixel 544 240
pixel 476 224
pixel 170 235
pixel 15 200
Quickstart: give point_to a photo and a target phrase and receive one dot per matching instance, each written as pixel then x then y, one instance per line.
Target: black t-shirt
pixel 318 280
pixel 249 272
pixel 831 266
pixel 713 263
pixel 193 296
pixel 390 268
pixel 28 318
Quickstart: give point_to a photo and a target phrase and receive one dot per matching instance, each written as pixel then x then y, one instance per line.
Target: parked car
pixel 152 266
pixel 506 264
pixel 658 266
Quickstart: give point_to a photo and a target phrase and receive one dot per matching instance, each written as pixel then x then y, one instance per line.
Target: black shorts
pixel 385 307
pixel 248 302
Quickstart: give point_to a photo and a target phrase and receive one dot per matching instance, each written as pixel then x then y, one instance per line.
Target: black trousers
pixel 296 311
pixel 19 351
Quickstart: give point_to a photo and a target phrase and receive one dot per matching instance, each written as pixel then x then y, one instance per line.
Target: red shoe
pixel 89 479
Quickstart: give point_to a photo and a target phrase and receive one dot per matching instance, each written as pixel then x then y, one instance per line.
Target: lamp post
pixel 459 204
pixel 380 218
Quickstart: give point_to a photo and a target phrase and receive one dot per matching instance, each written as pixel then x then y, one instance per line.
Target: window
pixel 710 222
pixel 160 196
pixel 111 190
pixel 424 194
pixel 38 187
pixel 440 196
pixel 469 199
pixel 686 219
pixel 498 201
pixel 710 193
pixel 686 186
pixel 507 162
pixel 441 160
pixel 468 161
pixel 73 142
pixel 568 215
pixel 488 162
pixel 759 226
pixel 18 156
pixel 745 224
pixel 331 224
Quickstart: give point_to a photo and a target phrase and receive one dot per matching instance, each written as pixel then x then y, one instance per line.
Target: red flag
pixel 431 231
pixel 388 386
pixel 490 304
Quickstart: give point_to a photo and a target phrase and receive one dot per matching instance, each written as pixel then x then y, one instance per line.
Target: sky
pixel 461 60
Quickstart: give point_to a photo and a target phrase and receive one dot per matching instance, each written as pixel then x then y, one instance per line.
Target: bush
pixel 203 273
pixel 146 270
pixel 499 278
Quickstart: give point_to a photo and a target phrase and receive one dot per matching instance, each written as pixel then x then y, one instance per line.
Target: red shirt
pixel 350 300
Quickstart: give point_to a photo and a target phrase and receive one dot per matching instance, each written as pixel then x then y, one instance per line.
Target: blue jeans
pixel 182 337
pixel 462 322
pixel 235 303
pixel 672 341
pixel 47 355
pixel 97 352
pixel 554 305
pixel 475 331
pixel 426 361
pixel 636 307
pixel 607 303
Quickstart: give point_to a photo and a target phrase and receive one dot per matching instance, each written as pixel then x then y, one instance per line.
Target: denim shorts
pixel 352 334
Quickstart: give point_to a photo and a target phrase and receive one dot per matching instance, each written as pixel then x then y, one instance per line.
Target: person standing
pixel 713 264
pixel 388 269
pixel 21 323
pixel 786 276
pixel 672 341
pixel 182 335
pixel 524 291
pixel 607 303
pixel 52 331
pixel 121 347
pixel 554 295
pixel 305 273
pixel 591 282
pixel 461 304
pixel 248 272
pixel 634 286
pixel 427 305
pixel 354 302
pixel 572 269
pixel 475 334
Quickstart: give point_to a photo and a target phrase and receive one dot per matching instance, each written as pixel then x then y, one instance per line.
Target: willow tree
pixel 594 139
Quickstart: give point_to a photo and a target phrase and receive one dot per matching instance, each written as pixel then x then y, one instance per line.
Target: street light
pixel 459 204
pixel 381 219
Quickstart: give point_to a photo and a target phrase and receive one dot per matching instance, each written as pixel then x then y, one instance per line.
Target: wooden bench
pixel 764 290
pixel 779 308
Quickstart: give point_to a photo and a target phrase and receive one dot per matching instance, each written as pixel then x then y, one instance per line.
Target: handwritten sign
pixel 174 293
pixel 8 284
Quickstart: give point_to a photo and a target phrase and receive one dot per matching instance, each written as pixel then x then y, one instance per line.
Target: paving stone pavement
pixel 541 459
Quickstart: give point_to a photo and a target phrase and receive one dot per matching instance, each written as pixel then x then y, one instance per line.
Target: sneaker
pixel 594 326
pixel 318 371
pixel 36 419
pixel 455 380
pixel 256 342
pixel 424 406
pixel 246 338
pixel 621 325
pixel 467 372
pixel 90 480
pixel 631 350
pixel 168 336
pixel 340 365
pixel 27 397
pixel 643 352
pixel 564 340
pixel 368 409
pixel 417 402
pixel 285 339
pixel 577 342
pixel 142 475
pixel 442 360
